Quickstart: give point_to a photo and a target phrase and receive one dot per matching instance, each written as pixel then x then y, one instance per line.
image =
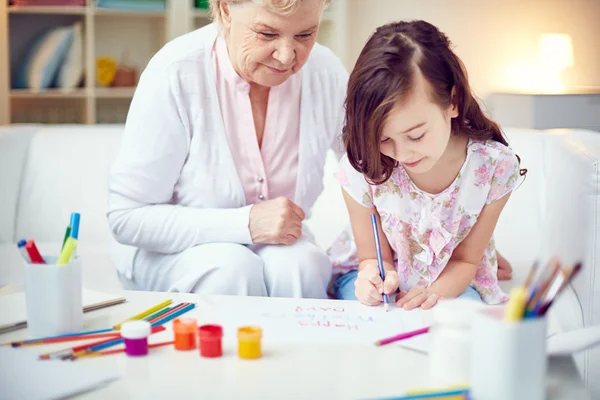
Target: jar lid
pixel 456 312
pixel 249 333
pixel 210 331
pixel 138 329
pixel 185 325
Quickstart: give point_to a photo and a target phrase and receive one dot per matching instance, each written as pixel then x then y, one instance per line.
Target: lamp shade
pixel 556 51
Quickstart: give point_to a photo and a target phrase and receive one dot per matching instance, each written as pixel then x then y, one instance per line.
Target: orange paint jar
pixel 249 342
pixel 185 330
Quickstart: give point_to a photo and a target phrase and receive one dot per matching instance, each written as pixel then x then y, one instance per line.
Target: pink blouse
pixel 271 170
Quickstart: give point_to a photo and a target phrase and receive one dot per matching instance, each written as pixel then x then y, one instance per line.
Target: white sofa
pixel 46 172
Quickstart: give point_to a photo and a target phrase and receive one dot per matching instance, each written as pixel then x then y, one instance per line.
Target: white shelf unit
pixel 129 36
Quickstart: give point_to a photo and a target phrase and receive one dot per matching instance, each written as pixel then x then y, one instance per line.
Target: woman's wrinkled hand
pixel 276 221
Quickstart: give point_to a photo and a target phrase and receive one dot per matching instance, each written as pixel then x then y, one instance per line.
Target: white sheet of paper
pixel 23 376
pixel 319 321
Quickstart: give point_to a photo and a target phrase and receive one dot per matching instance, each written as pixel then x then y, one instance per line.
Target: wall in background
pixel 497 40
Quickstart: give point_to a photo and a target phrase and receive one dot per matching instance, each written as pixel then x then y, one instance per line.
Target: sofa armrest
pixel 572 232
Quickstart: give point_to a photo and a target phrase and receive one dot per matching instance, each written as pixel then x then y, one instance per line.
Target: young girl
pixel 434 169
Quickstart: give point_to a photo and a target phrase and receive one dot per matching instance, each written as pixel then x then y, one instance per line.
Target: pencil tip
pixel 387 307
pixel 378 343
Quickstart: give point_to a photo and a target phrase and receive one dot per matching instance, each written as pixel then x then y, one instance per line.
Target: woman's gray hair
pixel 281 7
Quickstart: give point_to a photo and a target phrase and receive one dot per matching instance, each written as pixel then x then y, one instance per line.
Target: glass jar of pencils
pixel 449 355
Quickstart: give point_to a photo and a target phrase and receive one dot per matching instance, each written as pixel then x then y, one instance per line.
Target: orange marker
pixel 249 338
pixel 185 333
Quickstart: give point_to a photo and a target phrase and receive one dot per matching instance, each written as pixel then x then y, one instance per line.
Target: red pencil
pixel 401 336
pixel 34 254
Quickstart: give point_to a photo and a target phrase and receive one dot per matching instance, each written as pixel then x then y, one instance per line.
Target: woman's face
pixel 266 48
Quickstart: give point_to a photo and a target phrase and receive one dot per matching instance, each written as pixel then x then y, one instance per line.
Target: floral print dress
pixel 423 229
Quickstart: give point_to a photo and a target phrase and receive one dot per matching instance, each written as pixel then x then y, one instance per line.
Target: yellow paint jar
pixel 249 338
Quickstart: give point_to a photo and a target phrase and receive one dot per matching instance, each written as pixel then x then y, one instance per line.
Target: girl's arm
pixel 369 285
pixel 360 218
pixel 465 259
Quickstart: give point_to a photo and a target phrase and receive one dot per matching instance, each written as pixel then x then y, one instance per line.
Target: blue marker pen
pixel 75 225
pixel 23 250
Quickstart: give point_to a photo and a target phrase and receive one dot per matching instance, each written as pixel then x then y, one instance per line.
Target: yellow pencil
pixel 515 309
pixel 67 251
pixel 145 313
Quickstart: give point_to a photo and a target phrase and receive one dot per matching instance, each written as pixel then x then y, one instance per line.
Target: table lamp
pixel 555 54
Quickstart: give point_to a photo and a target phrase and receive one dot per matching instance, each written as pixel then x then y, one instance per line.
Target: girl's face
pixel 417 131
pixel 266 48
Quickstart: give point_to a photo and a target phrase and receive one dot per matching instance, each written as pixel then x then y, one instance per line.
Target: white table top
pixel 348 371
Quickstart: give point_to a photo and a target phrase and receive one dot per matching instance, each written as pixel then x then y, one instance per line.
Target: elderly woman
pixel 223 153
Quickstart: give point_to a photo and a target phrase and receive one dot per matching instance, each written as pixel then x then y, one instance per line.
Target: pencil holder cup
pixel 53 297
pixel 508 358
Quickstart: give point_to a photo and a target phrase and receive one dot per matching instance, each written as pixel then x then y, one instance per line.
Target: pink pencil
pixel 401 336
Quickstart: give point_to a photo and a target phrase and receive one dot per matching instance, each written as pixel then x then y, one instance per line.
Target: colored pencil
pixel 66 353
pixel 401 336
pixel 74 224
pixel 67 234
pixel 22 342
pixel 531 275
pixel 379 258
pixel 568 279
pixel 171 311
pixel 117 351
pixel 541 288
pixel 73 338
pixel 158 313
pixel 145 313
pixel 433 395
pixel 34 253
pixel 21 247
pixel 174 315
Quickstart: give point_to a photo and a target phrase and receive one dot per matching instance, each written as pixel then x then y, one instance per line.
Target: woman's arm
pixel 154 148
pixel 460 271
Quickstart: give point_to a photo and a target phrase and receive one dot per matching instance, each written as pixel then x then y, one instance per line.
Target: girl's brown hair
pixel 384 73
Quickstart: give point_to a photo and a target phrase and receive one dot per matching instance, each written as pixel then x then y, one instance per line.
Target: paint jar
pixel 185 333
pixel 210 340
pixel 135 335
pixel 249 338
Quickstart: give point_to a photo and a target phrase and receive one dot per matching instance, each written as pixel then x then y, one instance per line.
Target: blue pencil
pixel 174 315
pixel 379 259
pixel 104 345
pixel 432 395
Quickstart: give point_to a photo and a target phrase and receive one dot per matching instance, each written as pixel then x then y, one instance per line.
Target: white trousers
pixel 298 270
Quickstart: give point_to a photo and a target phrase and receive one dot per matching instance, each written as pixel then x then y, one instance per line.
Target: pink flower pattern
pixel 423 229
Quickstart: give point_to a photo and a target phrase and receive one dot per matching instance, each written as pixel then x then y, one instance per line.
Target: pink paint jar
pixel 135 335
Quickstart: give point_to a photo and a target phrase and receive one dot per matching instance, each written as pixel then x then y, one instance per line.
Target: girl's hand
pixel 417 296
pixel 369 287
